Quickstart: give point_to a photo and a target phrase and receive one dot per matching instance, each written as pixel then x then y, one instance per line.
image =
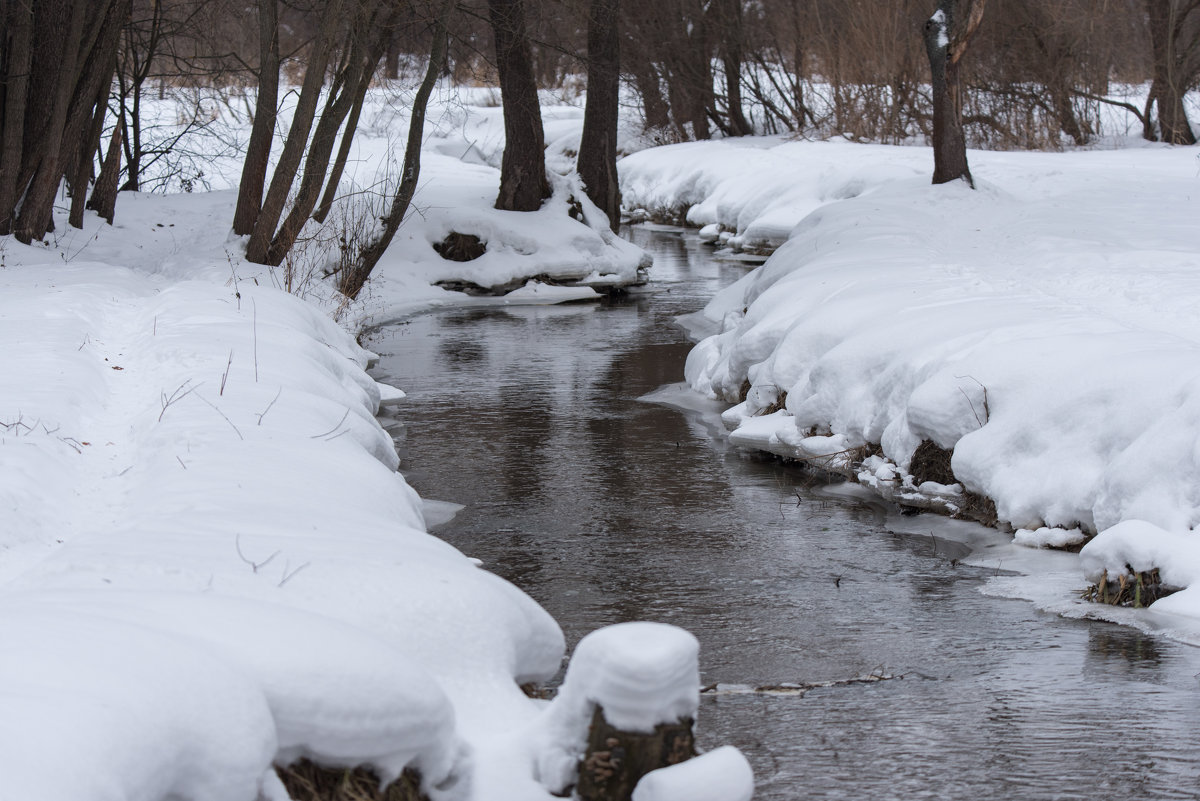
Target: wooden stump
pixel 615 760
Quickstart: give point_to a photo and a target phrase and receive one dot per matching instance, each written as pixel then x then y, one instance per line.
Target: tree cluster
pixel 1038 70
pixel 74 75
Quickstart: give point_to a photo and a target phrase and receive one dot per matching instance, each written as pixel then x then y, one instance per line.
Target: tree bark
pixel 19 51
pixel 946 35
pixel 654 107
pixel 262 133
pixel 104 194
pixel 36 215
pixel 89 104
pixel 1175 42
pixel 297 139
pixel 731 61
pixel 59 57
pixel 355 274
pixel 339 164
pixel 523 184
pixel 81 173
pixel 615 760
pixel 364 55
pixel 597 163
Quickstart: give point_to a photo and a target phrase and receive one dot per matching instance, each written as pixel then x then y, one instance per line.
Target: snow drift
pixel 1043 329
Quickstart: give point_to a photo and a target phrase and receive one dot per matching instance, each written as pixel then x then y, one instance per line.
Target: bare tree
pixel 523 184
pixel 947 34
pixel 597 162
pixel 731 45
pixel 57 61
pixel 354 274
pixel 262 132
pixel 1175 38
pixel 361 55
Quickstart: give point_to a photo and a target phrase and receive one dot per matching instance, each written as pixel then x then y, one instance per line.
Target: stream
pixel 606 508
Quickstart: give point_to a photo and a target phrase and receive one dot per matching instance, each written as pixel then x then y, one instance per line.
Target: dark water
pixel 607 509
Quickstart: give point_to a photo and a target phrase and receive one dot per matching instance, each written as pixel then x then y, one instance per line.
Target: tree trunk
pixel 89 105
pixel 339 164
pixel 1173 121
pixel 363 58
pixel 946 35
pixel 597 163
pixel 37 207
pixel 1173 39
pixel 59 57
pixel 297 139
pixel 19 51
pixel 266 106
pixel 104 194
pixel 615 760
pixel 654 107
pixel 698 65
pixel 355 274
pixel 391 65
pixel 81 172
pixel 523 184
pixel 731 60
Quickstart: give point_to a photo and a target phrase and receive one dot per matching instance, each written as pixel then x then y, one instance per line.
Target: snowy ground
pixel 1043 327
pixel 208 562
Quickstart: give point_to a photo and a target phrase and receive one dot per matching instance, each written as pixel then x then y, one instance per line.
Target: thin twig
pixel 255 566
pixel 218 411
pixel 254 323
pixel 225 375
pixel 175 397
pixel 987 412
pixel 335 428
pixel 288 576
pixel 269 405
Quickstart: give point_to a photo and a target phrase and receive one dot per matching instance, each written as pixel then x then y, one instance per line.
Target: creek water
pixel 606 508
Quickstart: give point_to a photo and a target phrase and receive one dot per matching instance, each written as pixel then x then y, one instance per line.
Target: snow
pixel 1042 327
pixel 938 20
pixel 640 674
pixel 719 775
pixel 199 489
pixel 209 564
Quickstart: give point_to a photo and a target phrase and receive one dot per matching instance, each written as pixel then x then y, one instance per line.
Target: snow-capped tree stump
pixel 616 760
pixel 625 709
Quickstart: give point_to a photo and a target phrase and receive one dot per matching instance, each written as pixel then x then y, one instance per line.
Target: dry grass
pixel 932 463
pixel 307 781
pixel 1137 590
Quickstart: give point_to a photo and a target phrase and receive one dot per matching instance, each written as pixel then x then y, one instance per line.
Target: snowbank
pixel 567 241
pixel 208 561
pixel 720 775
pixel 1042 329
pixel 748 193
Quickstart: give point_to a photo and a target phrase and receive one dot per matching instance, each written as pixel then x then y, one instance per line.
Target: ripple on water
pixel 607 509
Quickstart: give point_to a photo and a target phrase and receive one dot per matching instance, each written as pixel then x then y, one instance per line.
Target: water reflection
pixel 608 509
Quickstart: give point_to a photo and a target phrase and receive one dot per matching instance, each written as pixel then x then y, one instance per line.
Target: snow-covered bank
pixel 208 562
pixel 1043 329
pixel 526 256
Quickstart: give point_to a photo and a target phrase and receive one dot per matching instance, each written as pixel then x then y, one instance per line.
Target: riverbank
pixel 209 563
pixel 1030 346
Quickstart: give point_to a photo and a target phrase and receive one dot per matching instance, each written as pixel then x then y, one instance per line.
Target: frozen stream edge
pixel 1051 580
